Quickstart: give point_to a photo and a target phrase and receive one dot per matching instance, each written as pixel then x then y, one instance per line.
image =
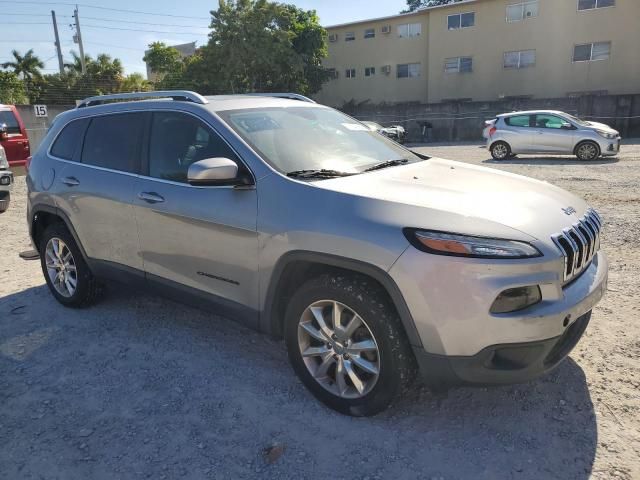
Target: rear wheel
pixel 65 271
pixel 500 150
pixel 346 344
pixel 587 151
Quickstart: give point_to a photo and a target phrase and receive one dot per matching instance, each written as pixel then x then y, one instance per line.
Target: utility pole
pixel 58 49
pixel 78 39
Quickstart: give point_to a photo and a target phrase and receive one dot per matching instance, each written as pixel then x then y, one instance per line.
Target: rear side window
pixel 7 117
pixel 113 141
pixel 517 121
pixel 70 137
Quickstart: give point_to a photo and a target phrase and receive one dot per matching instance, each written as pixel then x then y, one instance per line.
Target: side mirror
pixel 567 126
pixel 4 131
pixel 214 172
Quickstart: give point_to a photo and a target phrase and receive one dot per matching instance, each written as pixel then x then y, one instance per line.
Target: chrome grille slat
pixel 579 244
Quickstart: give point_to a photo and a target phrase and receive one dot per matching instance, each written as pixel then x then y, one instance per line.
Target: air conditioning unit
pixel 386 29
pixel 386 69
pixel 333 37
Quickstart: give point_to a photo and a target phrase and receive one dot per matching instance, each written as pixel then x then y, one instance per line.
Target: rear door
pixel 95 188
pixel 551 136
pixel 517 133
pixel 16 146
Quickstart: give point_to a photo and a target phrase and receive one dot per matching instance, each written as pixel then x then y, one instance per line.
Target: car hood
pixel 602 126
pixel 463 198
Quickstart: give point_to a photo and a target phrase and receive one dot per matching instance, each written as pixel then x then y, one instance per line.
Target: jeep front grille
pixel 579 244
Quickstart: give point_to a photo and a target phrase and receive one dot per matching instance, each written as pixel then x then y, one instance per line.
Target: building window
pixel 333 37
pixel 461 20
pixel 521 11
pixel 409 30
pixel 369 71
pixel 370 33
pixel 333 73
pixel 350 73
pixel 458 65
pixel 349 37
pixel 408 70
pixel 593 4
pixel 592 52
pixel 521 59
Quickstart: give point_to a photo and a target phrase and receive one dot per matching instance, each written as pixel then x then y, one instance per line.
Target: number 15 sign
pixel 40 110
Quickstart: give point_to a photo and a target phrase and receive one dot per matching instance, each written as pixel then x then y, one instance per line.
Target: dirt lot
pixel 139 387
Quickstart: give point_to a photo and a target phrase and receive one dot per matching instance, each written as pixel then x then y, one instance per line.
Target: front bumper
pixel 609 147
pixel 501 364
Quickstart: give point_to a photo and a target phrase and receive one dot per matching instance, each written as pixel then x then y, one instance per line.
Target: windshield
pixel 313 138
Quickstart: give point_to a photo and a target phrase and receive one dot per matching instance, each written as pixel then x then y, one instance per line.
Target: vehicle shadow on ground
pixel 169 391
pixel 553 161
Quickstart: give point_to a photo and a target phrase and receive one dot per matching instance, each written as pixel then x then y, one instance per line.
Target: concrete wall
pixel 454 121
pixel 37 127
pixel 553 34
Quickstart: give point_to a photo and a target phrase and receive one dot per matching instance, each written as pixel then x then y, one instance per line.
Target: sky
pixel 125 34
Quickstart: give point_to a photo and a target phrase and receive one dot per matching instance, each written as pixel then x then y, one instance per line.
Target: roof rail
pixel 177 95
pixel 291 96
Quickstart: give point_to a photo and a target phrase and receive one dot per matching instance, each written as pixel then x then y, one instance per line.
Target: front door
pixel 553 134
pixel 200 237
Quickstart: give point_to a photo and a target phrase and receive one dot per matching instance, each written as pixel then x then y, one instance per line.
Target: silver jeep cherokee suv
pixel 372 261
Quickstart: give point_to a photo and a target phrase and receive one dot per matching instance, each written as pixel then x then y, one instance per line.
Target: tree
pixel 12 89
pixel 25 67
pixel 417 4
pixel 135 82
pixel 162 59
pixel 261 46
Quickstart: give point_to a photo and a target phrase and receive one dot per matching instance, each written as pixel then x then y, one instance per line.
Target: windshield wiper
pixel 388 163
pixel 318 173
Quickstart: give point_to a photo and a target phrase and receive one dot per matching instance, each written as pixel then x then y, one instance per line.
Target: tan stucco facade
pixel 553 34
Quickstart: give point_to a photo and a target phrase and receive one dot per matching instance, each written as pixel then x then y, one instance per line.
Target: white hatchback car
pixel 549 131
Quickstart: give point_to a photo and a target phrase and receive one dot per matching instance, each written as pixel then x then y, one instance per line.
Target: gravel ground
pixel 140 387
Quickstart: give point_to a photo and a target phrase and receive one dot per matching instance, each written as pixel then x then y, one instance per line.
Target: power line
pixel 106 8
pixel 144 31
pixel 142 23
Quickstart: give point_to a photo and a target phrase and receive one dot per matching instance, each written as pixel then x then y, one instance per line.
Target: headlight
pixel 455 245
pixel 607 135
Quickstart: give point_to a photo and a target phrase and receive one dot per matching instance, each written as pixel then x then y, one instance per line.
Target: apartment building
pixel 487 50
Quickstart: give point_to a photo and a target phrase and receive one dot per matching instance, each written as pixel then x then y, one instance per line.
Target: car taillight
pixel 492 131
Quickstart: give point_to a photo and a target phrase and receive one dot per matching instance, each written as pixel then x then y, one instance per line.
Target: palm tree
pixel 76 65
pixel 27 66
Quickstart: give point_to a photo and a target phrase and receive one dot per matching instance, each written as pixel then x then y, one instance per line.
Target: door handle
pixel 150 197
pixel 71 181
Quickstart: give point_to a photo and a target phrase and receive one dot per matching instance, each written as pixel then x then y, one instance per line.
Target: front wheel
pixel 500 150
pixel 5 200
pixel 346 344
pixel 587 151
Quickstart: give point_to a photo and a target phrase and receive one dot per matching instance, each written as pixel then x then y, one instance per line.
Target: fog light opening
pixel 566 320
pixel 515 299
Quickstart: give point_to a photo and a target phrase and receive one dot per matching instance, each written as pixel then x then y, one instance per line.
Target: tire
pixel 586 151
pixel 384 346
pixel 5 200
pixel 501 150
pixel 87 289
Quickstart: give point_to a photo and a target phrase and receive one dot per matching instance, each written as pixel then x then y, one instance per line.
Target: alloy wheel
pixel 587 151
pixel 61 267
pixel 500 151
pixel 338 349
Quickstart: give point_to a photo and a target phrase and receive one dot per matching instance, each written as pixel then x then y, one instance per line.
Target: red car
pixel 14 138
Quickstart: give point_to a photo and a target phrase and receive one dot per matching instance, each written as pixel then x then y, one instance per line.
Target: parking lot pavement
pixel 140 387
